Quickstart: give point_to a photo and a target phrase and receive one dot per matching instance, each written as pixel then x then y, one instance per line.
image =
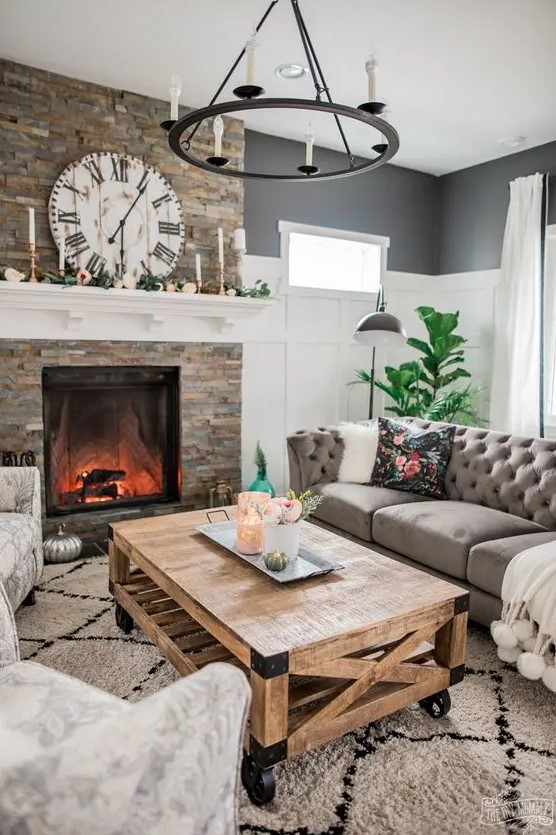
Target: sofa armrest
pixel 169 764
pixel 314 457
pixel 9 646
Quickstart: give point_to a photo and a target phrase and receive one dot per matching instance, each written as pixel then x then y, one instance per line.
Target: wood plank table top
pixel 371 594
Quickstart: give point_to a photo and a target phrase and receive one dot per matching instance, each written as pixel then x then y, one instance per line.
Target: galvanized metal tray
pixel 307 564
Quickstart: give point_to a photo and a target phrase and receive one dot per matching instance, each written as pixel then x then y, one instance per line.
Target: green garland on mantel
pixel 147 281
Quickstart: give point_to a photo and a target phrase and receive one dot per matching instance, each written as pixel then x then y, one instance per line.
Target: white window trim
pixel 285 228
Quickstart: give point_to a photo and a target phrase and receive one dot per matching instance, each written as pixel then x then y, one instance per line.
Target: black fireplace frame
pixel 87 377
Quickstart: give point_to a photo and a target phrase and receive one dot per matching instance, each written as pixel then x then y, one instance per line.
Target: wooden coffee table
pixel 324 656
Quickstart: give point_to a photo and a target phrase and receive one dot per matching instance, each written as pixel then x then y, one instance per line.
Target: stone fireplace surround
pixel 210 411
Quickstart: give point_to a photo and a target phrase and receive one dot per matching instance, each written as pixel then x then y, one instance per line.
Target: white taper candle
pixel 309 142
pixel 220 246
pixel 198 266
pixel 31 226
pixel 218 130
pixel 250 49
pixel 371 66
pixel 175 93
pixel 62 253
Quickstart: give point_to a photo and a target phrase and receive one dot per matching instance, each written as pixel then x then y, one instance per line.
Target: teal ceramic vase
pixel 262 484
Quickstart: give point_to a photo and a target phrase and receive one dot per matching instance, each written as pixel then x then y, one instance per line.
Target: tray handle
pixel 212 512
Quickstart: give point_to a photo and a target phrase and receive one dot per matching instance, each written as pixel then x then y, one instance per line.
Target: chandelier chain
pixel 320 82
pixel 187 142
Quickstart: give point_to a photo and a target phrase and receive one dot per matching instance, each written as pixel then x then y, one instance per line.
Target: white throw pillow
pixel 360 445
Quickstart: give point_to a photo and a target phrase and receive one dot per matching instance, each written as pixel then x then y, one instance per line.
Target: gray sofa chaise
pixel 501 499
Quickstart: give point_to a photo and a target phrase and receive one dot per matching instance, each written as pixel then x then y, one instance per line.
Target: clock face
pixel 117 215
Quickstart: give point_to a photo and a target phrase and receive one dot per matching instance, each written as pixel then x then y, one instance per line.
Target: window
pixel 324 259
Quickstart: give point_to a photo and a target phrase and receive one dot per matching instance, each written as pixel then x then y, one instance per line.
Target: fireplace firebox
pixel 111 437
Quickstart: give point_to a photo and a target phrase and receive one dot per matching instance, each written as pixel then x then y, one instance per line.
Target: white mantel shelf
pixel 155 308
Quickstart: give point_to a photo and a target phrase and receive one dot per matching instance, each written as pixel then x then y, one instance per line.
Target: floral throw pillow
pixel 411 459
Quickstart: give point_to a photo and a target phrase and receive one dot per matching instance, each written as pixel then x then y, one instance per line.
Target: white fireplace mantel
pixel 38 309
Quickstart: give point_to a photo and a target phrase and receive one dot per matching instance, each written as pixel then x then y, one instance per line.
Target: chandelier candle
pixel 175 93
pixel 250 49
pixel 371 66
pixel 309 142
pixel 218 129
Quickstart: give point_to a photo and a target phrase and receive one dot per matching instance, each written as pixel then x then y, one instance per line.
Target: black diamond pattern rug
pixel 405 775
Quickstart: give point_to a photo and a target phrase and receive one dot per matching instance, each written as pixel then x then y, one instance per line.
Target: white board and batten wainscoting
pixel 299 356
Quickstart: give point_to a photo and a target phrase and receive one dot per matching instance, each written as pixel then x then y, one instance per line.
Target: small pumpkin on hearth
pixel 62 546
pixel 275 560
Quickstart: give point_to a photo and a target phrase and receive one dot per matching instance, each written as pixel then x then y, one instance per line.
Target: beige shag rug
pixel 406 775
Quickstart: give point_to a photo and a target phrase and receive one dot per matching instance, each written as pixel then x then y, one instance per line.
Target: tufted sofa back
pixel 501 471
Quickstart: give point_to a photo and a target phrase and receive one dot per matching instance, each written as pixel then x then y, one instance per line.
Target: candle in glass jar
pixel 250 524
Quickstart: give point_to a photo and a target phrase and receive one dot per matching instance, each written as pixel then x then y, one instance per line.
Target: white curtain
pixel 516 373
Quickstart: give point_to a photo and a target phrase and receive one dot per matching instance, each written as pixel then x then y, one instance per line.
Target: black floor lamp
pixel 381 330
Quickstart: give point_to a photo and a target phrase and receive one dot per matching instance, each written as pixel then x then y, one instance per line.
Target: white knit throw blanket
pixel 526 634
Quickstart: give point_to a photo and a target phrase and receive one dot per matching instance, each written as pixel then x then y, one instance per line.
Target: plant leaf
pixel 420 344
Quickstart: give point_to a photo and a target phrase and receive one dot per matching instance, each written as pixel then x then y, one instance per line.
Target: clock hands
pixel 122 251
pixel 121 224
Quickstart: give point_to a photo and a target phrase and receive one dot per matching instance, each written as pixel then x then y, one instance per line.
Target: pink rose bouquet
pixel 289 509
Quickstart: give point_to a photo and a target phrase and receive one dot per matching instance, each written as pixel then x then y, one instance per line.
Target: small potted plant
pixel 282 518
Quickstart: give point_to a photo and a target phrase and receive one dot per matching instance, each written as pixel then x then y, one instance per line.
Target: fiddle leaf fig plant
pixel 424 387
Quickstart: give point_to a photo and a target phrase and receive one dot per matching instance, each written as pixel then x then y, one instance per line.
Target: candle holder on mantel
pixel 32 258
pixel 221 290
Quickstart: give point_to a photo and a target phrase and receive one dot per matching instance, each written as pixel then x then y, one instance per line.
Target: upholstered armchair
pixel 76 760
pixel 21 557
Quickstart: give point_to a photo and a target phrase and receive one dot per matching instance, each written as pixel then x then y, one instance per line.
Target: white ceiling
pixel 458 75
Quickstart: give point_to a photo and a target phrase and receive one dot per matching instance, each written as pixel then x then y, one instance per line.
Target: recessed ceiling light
pixel 512 141
pixel 291 71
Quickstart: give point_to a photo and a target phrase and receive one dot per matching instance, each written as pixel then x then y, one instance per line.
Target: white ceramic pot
pixel 283 537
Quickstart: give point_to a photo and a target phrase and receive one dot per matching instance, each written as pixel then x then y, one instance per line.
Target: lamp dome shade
pixel 380 329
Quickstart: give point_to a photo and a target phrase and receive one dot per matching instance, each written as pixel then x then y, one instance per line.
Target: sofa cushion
pixel 350 507
pixel 441 534
pixel 488 561
pixel 412 459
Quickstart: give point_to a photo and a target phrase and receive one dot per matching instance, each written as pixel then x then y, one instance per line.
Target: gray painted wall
pixel 392 201
pixel 473 204
pixel 436 225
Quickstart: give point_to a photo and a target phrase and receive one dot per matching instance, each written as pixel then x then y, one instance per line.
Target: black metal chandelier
pixel 250 97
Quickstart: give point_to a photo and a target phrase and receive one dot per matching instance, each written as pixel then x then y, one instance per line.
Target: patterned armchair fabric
pixel 21 557
pixel 87 762
pixel 9 646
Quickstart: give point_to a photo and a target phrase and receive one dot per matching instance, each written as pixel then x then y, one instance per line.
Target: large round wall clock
pixel 117 215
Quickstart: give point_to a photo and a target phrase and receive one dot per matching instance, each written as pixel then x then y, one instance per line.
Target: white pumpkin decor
pixel 62 547
pixel 13 275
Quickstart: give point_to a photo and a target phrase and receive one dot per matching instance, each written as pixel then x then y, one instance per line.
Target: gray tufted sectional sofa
pixel 501 499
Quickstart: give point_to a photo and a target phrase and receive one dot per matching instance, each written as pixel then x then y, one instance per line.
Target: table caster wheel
pixel 259 783
pixel 438 704
pixel 123 619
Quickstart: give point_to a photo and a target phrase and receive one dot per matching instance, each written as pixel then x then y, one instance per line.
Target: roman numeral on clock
pixel 143 182
pixel 68 217
pixel 164 254
pixel 72 188
pixel 165 228
pixel 119 169
pixel 77 243
pixel 95 264
pixel 160 200
pixel 95 172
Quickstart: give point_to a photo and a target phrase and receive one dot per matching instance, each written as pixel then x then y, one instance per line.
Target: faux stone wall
pixel 48 121
pixel 210 410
